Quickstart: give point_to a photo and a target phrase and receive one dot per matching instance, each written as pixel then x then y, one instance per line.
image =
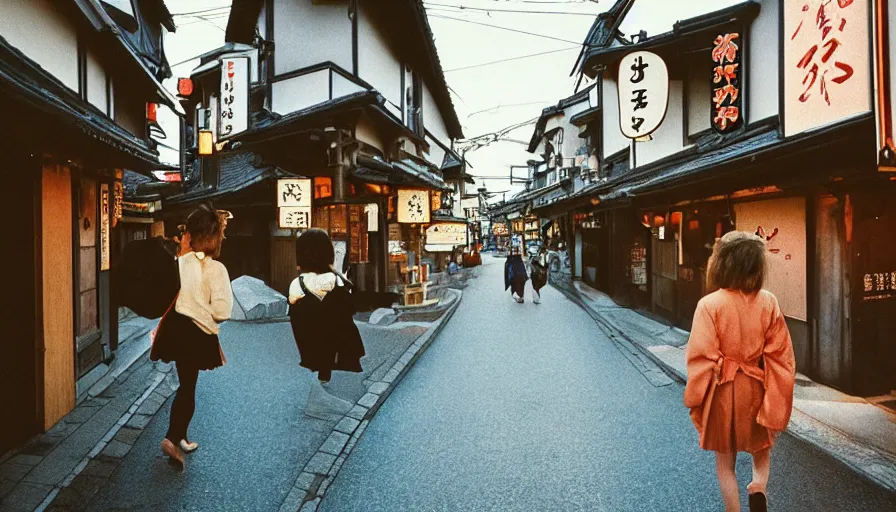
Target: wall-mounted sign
pixel 499 229
pixel 294 192
pixel 295 217
pixel 105 227
pixel 234 105
pixel 435 200
pixel 413 206
pixel 117 210
pixel 447 233
pixel 643 94
pixel 373 217
pixel 827 62
pixel 727 99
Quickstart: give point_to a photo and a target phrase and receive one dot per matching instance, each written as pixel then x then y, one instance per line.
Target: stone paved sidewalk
pixel 850 429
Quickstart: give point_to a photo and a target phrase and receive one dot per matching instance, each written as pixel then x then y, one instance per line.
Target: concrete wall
pixel 378 64
pixel 669 137
pixel 614 141
pixel 308 33
pixel 43 34
pixel 762 79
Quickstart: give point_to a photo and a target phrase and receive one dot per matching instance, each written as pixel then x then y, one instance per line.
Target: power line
pixel 516 11
pixel 512 59
pixel 504 28
pixel 203 11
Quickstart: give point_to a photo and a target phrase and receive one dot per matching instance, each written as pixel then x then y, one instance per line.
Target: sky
pixel 490 97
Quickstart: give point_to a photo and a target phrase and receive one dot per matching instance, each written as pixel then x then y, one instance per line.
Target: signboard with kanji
pixel 105 235
pixel 727 95
pixel 292 192
pixel 447 233
pixel 234 100
pixel 295 217
pixel 827 62
pixel 643 93
pixel 413 206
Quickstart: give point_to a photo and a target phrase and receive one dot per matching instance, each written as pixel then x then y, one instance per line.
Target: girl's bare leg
pixel 761 468
pixel 725 464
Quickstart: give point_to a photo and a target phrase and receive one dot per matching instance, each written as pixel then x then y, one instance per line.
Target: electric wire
pixel 512 11
pixel 504 28
pixel 510 59
pixel 202 11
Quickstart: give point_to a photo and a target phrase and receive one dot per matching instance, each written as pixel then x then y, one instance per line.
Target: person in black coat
pixel 515 275
pixel 321 313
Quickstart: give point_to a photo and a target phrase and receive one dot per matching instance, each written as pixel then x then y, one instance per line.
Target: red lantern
pixel 184 87
pixel 152 112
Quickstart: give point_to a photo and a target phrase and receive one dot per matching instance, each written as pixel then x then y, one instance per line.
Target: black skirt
pixel 184 343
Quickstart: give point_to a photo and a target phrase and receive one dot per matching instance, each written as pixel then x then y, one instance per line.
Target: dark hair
pixel 738 263
pixel 206 228
pixel 314 251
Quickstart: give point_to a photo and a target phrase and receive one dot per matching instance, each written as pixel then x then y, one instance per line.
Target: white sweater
pixel 205 293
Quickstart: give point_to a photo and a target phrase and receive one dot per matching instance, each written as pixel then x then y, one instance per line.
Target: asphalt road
pixel 531 407
pixel 254 439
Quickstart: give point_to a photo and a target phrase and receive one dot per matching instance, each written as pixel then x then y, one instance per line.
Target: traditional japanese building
pixel 754 135
pixel 349 95
pixel 75 80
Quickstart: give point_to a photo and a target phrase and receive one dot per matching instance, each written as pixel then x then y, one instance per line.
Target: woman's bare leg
pixel 761 468
pixel 725 472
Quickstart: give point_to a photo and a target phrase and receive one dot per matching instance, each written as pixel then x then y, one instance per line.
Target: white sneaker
pixel 323 405
pixel 537 298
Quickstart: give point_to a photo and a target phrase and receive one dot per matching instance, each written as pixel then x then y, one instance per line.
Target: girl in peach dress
pixel 741 367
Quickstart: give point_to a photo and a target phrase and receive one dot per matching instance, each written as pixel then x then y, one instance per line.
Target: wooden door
pixel 664 270
pixel 58 293
pixel 283 263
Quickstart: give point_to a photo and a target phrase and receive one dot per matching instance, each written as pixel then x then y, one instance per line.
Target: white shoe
pixel 187 446
pixel 323 405
pixel 537 298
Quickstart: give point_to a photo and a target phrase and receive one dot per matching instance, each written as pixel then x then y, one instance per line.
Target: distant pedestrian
pixel 188 333
pixel 515 275
pixel 539 274
pixel 321 313
pixel 741 367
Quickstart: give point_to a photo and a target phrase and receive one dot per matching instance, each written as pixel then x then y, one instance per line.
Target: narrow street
pixel 532 407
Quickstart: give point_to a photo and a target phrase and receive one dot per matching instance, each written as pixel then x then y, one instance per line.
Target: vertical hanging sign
pixel 643 94
pixel 294 203
pixel 826 62
pixel 234 104
pixel 104 226
pixel 727 98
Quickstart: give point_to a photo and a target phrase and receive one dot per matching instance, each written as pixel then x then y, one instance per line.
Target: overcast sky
pixel 487 98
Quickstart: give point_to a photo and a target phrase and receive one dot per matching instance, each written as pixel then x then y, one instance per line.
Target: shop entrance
pixel 18 340
pixel 874 334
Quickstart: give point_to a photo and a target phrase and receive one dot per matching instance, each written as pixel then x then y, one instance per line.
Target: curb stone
pixel 863 459
pixel 319 472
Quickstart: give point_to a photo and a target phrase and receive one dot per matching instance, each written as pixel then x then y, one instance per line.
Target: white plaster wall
pixel 614 141
pixel 699 96
pixel 343 86
pixel 669 137
pixel 366 132
pixel 432 118
pixel 130 111
pixel 96 82
pixel 378 64
pixel 762 80
pixel 300 92
pixel 262 21
pixel 436 154
pixel 308 34
pixel 571 140
pixel 42 33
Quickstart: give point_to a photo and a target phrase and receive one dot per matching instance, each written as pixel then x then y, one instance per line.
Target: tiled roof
pixel 238 172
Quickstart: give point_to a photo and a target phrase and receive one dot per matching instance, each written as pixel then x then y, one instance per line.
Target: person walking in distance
pixel 190 336
pixel 321 313
pixel 741 367
pixel 515 275
pixel 539 274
